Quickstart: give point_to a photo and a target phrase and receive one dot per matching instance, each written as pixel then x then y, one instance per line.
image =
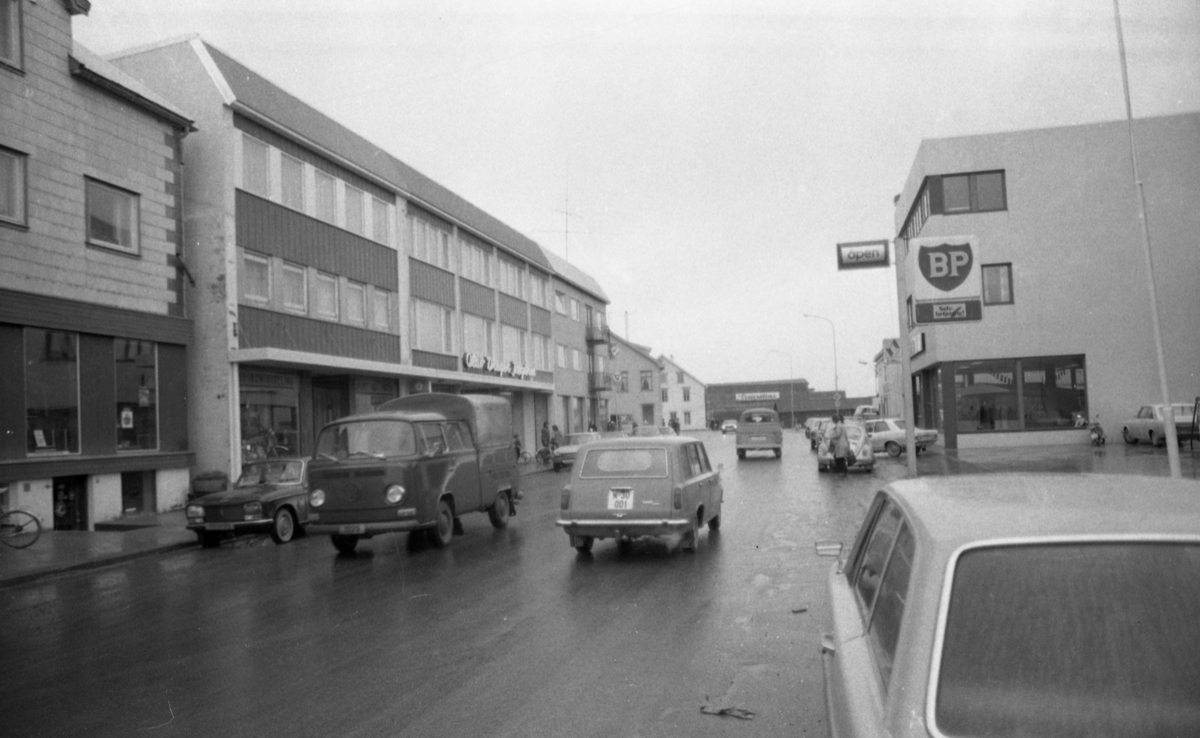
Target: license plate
pixel 620 499
pixel 220 526
pixel 352 530
pixel 759 439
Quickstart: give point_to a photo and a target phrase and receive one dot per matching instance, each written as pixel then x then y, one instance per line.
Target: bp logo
pixel 946 266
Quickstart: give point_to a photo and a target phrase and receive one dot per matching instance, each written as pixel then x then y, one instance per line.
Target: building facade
pixel 1027 284
pixel 95 334
pixel 794 400
pixel 889 378
pixel 331 276
pixel 636 377
pixel 683 396
pixel 582 381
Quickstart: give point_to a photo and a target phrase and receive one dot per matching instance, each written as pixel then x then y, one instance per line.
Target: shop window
pixel 1054 391
pixel 51 391
pixel 997 284
pixel 255 277
pixel 12 186
pixel 326 197
pixel 986 393
pixel 136 376
pixel 10 33
pixel 256 166
pixel 292 182
pixel 269 410
pixel 112 217
pixel 1051 393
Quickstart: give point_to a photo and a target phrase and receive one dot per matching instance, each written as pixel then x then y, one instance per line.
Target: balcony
pixel 600 382
pixel 597 334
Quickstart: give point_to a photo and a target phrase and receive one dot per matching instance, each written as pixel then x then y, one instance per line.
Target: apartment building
pixel 682 396
pixel 582 380
pixel 636 377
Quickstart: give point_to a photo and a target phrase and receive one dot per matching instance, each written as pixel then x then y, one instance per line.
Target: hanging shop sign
pixel 944 276
pixel 483 363
pixel 862 254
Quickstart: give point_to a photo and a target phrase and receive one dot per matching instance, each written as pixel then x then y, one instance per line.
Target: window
pixel 380 311
pixel 291 181
pixel 326 197
pixel 51 391
pixel 890 602
pixel 478 335
pixel 512 278
pixel 356 308
pixel 1054 390
pixel 574 309
pixel 432 327
pixel 10 32
pixel 1021 394
pixel 561 352
pixel 666 395
pixel 112 217
pixel 513 344
pixel 326 297
pixel 986 393
pixel 136 373
pixel 576 360
pixel 379 220
pixel 687 394
pixel 978 192
pixel 541 352
pixel 560 303
pixel 679 377
pixel 12 182
pixel 431 242
pixel 295 288
pixel 687 418
pixel 355 202
pixel 997 284
pixel 256 277
pixel 477 262
pixel 623 382
pixel 256 166
pixel 647 380
pixel 538 290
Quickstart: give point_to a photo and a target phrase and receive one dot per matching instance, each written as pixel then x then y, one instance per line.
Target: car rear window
pixel 624 463
pixel 1099 639
pixel 760 418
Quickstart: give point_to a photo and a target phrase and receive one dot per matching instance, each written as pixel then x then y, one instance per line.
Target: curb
pixel 93 563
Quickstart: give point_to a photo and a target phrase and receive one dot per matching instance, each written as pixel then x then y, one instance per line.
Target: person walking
pixel 839 444
pixel 546 434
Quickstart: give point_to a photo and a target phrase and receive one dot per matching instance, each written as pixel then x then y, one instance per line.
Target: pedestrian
pixel 556 437
pixel 634 431
pixel 675 424
pixel 546 434
pixel 839 444
pixel 591 427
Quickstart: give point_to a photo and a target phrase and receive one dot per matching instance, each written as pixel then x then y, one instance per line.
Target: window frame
pixel 302 272
pixel 265 261
pixel 16 35
pixel 73 423
pixel 153 393
pixel 132 212
pixel 1006 269
pixel 285 161
pixel 381 231
pixel 381 298
pixel 19 184
pixel 250 183
pixel 973 198
pixel 361 302
pixel 323 279
pixel 560 303
pixel 320 202
pixel 356 218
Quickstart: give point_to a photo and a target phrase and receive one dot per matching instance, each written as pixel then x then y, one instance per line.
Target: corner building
pixel 95 334
pixel 330 276
pixel 1050 325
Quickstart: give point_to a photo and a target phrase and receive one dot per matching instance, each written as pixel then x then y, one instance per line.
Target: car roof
pixel 641 442
pixel 956 510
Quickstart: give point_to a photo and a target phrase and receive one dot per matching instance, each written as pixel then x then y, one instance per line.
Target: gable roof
pixel 93 68
pixel 574 275
pixel 664 360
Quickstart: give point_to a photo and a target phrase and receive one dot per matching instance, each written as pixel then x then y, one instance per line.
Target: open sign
pixel 861 254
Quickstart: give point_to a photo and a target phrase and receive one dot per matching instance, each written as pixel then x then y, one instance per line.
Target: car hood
pixel 257 493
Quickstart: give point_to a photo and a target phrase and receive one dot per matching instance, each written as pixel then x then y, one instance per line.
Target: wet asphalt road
pixel 505 633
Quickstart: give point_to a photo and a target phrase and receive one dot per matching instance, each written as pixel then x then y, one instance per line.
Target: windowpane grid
pixel 12 186
pixel 256 166
pixel 292 175
pixel 111 217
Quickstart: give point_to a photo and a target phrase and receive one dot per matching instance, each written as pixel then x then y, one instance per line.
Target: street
pixel 506 633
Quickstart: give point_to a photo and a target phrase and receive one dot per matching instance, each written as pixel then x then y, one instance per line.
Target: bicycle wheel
pixel 19 529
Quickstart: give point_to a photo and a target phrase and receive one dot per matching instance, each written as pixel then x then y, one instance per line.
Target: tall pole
pixel 837 395
pixel 1168 410
pixel 910 415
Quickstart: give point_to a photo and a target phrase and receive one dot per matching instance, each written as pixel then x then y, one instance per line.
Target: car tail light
pixel 394 494
pixel 317 497
pixel 677 498
pixel 565 500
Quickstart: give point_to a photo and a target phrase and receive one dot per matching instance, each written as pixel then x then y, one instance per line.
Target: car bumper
pixel 605 528
pixel 407 520
pixel 226 526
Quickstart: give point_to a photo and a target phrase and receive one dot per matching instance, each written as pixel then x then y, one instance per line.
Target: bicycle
pixel 544 456
pixel 19 529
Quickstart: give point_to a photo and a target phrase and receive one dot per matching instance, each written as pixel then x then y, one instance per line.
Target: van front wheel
pixel 499 511
pixel 344 544
pixel 442 531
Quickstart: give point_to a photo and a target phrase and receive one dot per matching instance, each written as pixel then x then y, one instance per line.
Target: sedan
pixel 271 495
pixel 564 455
pixel 631 488
pixel 729 426
pixel 1148 424
pixel 860 446
pixel 650 431
pixel 1018 605
pixel 887 434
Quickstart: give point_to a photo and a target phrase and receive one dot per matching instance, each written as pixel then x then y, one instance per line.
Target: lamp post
pixel 791 388
pixel 837 398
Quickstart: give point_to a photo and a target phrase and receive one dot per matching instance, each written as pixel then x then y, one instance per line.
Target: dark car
pixel 271 495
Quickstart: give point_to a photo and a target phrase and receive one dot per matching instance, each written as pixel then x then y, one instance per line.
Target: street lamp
pixel 791 387
pixel 837 398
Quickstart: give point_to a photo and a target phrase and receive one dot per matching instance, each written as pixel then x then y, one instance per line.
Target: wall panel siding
pixel 477 299
pixel 268 329
pixel 427 282
pixel 68 315
pixel 540 320
pixel 514 312
pixel 272 229
pixel 435 361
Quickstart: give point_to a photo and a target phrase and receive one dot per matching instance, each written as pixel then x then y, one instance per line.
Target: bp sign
pixel 945 279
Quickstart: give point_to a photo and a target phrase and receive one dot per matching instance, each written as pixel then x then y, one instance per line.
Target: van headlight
pixel 317 497
pixel 394 494
pixel 195 511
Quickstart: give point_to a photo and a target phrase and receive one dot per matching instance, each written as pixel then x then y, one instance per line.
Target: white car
pixel 1148 425
pixel 887 434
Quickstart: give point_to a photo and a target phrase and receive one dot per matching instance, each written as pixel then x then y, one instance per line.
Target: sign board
pixel 863 254
pixel 755 396
pixel 944 277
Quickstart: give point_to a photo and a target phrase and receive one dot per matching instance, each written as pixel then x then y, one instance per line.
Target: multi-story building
pixel 889 376
pixel 636 396
pixel 793 399
pixel 582 381
pixel 1027 285
pixel 94 329
pixel 682 395
pixel 330 276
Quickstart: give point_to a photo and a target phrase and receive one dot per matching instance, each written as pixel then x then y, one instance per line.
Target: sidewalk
pixel 145 535
pixel 119 540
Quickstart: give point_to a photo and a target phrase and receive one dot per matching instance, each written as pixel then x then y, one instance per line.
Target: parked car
pixel 628 488
pixel 270 495
pixel 818 432
pixel 650 431
pixel 1148 424
pixel 860 446
pixel 759 430
pixel 1018 605
pixel 564 455
pixel 729 426
pixel 418 463
pixel 811 425
pixel 866 413
pixel 887 434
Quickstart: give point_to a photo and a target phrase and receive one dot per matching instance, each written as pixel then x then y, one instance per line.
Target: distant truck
pixel 418 463
pixel 758 429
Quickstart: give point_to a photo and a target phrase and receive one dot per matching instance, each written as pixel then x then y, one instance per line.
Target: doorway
pixel 138 494
pixel 70 503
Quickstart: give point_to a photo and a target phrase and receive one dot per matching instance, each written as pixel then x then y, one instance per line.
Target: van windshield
pixel 378 438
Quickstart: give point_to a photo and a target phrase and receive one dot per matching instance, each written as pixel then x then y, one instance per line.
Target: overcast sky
pixel 708 155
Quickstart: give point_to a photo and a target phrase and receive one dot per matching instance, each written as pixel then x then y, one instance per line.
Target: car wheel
pixel 714 523
pixel 557 467
pixel 442 531
pixel 283 529
pixel 344 544
pixel 893 449
pixel 1150 439
pixel 1129 437
pixel 499 511
pixel 688 542
pixel 584 544
pixel 208 540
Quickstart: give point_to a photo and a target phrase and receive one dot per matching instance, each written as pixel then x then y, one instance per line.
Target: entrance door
pixel 70 503
pixel 137 492
pixel 327 406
